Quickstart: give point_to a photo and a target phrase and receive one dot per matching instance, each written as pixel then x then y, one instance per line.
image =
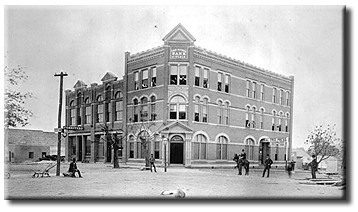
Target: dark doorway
pixel 264 150
pixel 176 153
pixel 79 156
pixel 10 156
pixel 109 152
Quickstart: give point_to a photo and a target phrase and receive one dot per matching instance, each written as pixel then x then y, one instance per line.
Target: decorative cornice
pixel 146 55
pixel 211 56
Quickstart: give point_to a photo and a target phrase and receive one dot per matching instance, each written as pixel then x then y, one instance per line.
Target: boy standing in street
pixel 267 164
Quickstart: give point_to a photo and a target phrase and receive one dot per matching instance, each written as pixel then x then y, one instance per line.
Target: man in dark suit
pixel 151 161
pixel 267 164
pixel 73 169
pixel 314 166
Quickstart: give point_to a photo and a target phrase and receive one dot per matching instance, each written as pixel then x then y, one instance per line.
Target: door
pixel 79 156
pixel 176 153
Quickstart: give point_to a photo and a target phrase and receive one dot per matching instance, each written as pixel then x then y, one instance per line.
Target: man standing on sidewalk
pixel 152 160
pixel 267 164
pixel 314 166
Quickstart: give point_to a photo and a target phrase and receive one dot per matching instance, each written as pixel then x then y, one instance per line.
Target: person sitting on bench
pixel 73 169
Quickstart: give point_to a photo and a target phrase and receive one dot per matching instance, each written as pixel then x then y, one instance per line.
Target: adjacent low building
pixel 206 105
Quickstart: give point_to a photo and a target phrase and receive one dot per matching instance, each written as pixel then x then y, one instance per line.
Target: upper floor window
pixel 119 110
pixel 197 76
pixel 144 109
pixel 87 101
pixel 281 97
pixel 274 90
pixel 154 76
pixel 196 109
pixel 205 110
pixel 287 98
pixel 248 88
pixel 135 110
pixel 220 121
pixel 88 114
pixel 145 78
pixel 226 113
pixel 136 81
pixel 262 97
pixel 254 90
pixel 247 122
pixel 119 95
pixel 99 113
pixel 205 78
pixel 227 82
pixel 261 118
pixel 177 108
pixel 178 74
pixel 273 120
pixel 253 118
pixel 72 116
pixel 220 76
pixel 153 114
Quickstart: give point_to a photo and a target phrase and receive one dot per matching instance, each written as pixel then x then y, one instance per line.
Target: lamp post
pixel 165 143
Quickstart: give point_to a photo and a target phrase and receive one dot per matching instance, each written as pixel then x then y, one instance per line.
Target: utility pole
pixel 61 75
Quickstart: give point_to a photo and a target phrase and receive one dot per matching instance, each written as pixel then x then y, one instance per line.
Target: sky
pixel 88 41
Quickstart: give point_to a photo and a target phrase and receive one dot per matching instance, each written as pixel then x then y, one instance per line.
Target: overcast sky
pixel 86 42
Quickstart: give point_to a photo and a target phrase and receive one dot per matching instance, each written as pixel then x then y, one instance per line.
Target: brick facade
pixel 207 105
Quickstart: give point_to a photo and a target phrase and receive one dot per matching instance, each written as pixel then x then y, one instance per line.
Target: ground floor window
pixel 199 145
pixel 31 155
pixel 221 148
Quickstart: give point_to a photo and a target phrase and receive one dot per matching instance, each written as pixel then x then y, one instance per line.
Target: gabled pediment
pixel 80 84
pixel 109 77
pixel 179 35
pixel 176 127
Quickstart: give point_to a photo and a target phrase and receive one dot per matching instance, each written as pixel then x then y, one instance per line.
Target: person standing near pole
pixel 314 166
pixel 267 164
pixel 151 161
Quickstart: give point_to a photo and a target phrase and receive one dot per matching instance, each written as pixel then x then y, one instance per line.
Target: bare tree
pixel 15 112
pixel 115 141
pixel 324 143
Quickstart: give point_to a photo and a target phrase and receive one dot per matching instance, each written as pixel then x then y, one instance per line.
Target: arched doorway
pixel 264 149
pixel 176 155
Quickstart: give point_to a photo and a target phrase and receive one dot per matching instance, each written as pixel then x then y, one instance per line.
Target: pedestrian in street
pixel 73 169
pixel 314 166
pixel 152 160
pixel 268 162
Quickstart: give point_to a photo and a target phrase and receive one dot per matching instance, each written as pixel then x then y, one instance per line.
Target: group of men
pixel 241 161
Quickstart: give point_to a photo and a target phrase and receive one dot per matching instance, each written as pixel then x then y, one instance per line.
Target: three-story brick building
pixel 208 106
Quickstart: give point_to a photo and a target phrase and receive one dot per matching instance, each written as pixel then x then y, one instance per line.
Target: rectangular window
pixel 205 78
pixel 182 112
pixel 248 88
pixel 279 125
pixel 261 122
pixel 131 150
pixel 135 114
pixel 274 95
pixel 119 110
pixel 78 116
pixel 154 77
pixel 247 123
pixel 286 125
pixel 220 81
pixel 281 97
pixel 88 146
pixel 173 75
pixel 197 76
pixel 196 113
pixel 253 120
pixel 144 113
pixel 136 81
pixel 226 116
pixel 145 78
pixel 108 112
pixel 262 92
pixel 88 115
pixel 227 83
pixel 273 124
pixel 99 114
pixel 73 116
pixel 173 112
pixel 254 90
pixel 203 150
pixel 205 113
pixel 156 149
pixel 182 74
pixel 31 155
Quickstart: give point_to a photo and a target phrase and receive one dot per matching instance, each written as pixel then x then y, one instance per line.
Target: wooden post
pixel 61 75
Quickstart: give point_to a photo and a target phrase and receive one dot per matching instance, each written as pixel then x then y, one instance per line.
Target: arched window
pixel 119 95
pixel 200 146
pixel 249 144
pixel 220 104
pixel 99 117
pixel 88 112
pixel 196 109
pixel 135 110
pixel 177 108
pixel 221 148
pixel 144 109
pixel 205 109
pixel 153 114
pixel 247 122
pixel 72 113
pixel 226 113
